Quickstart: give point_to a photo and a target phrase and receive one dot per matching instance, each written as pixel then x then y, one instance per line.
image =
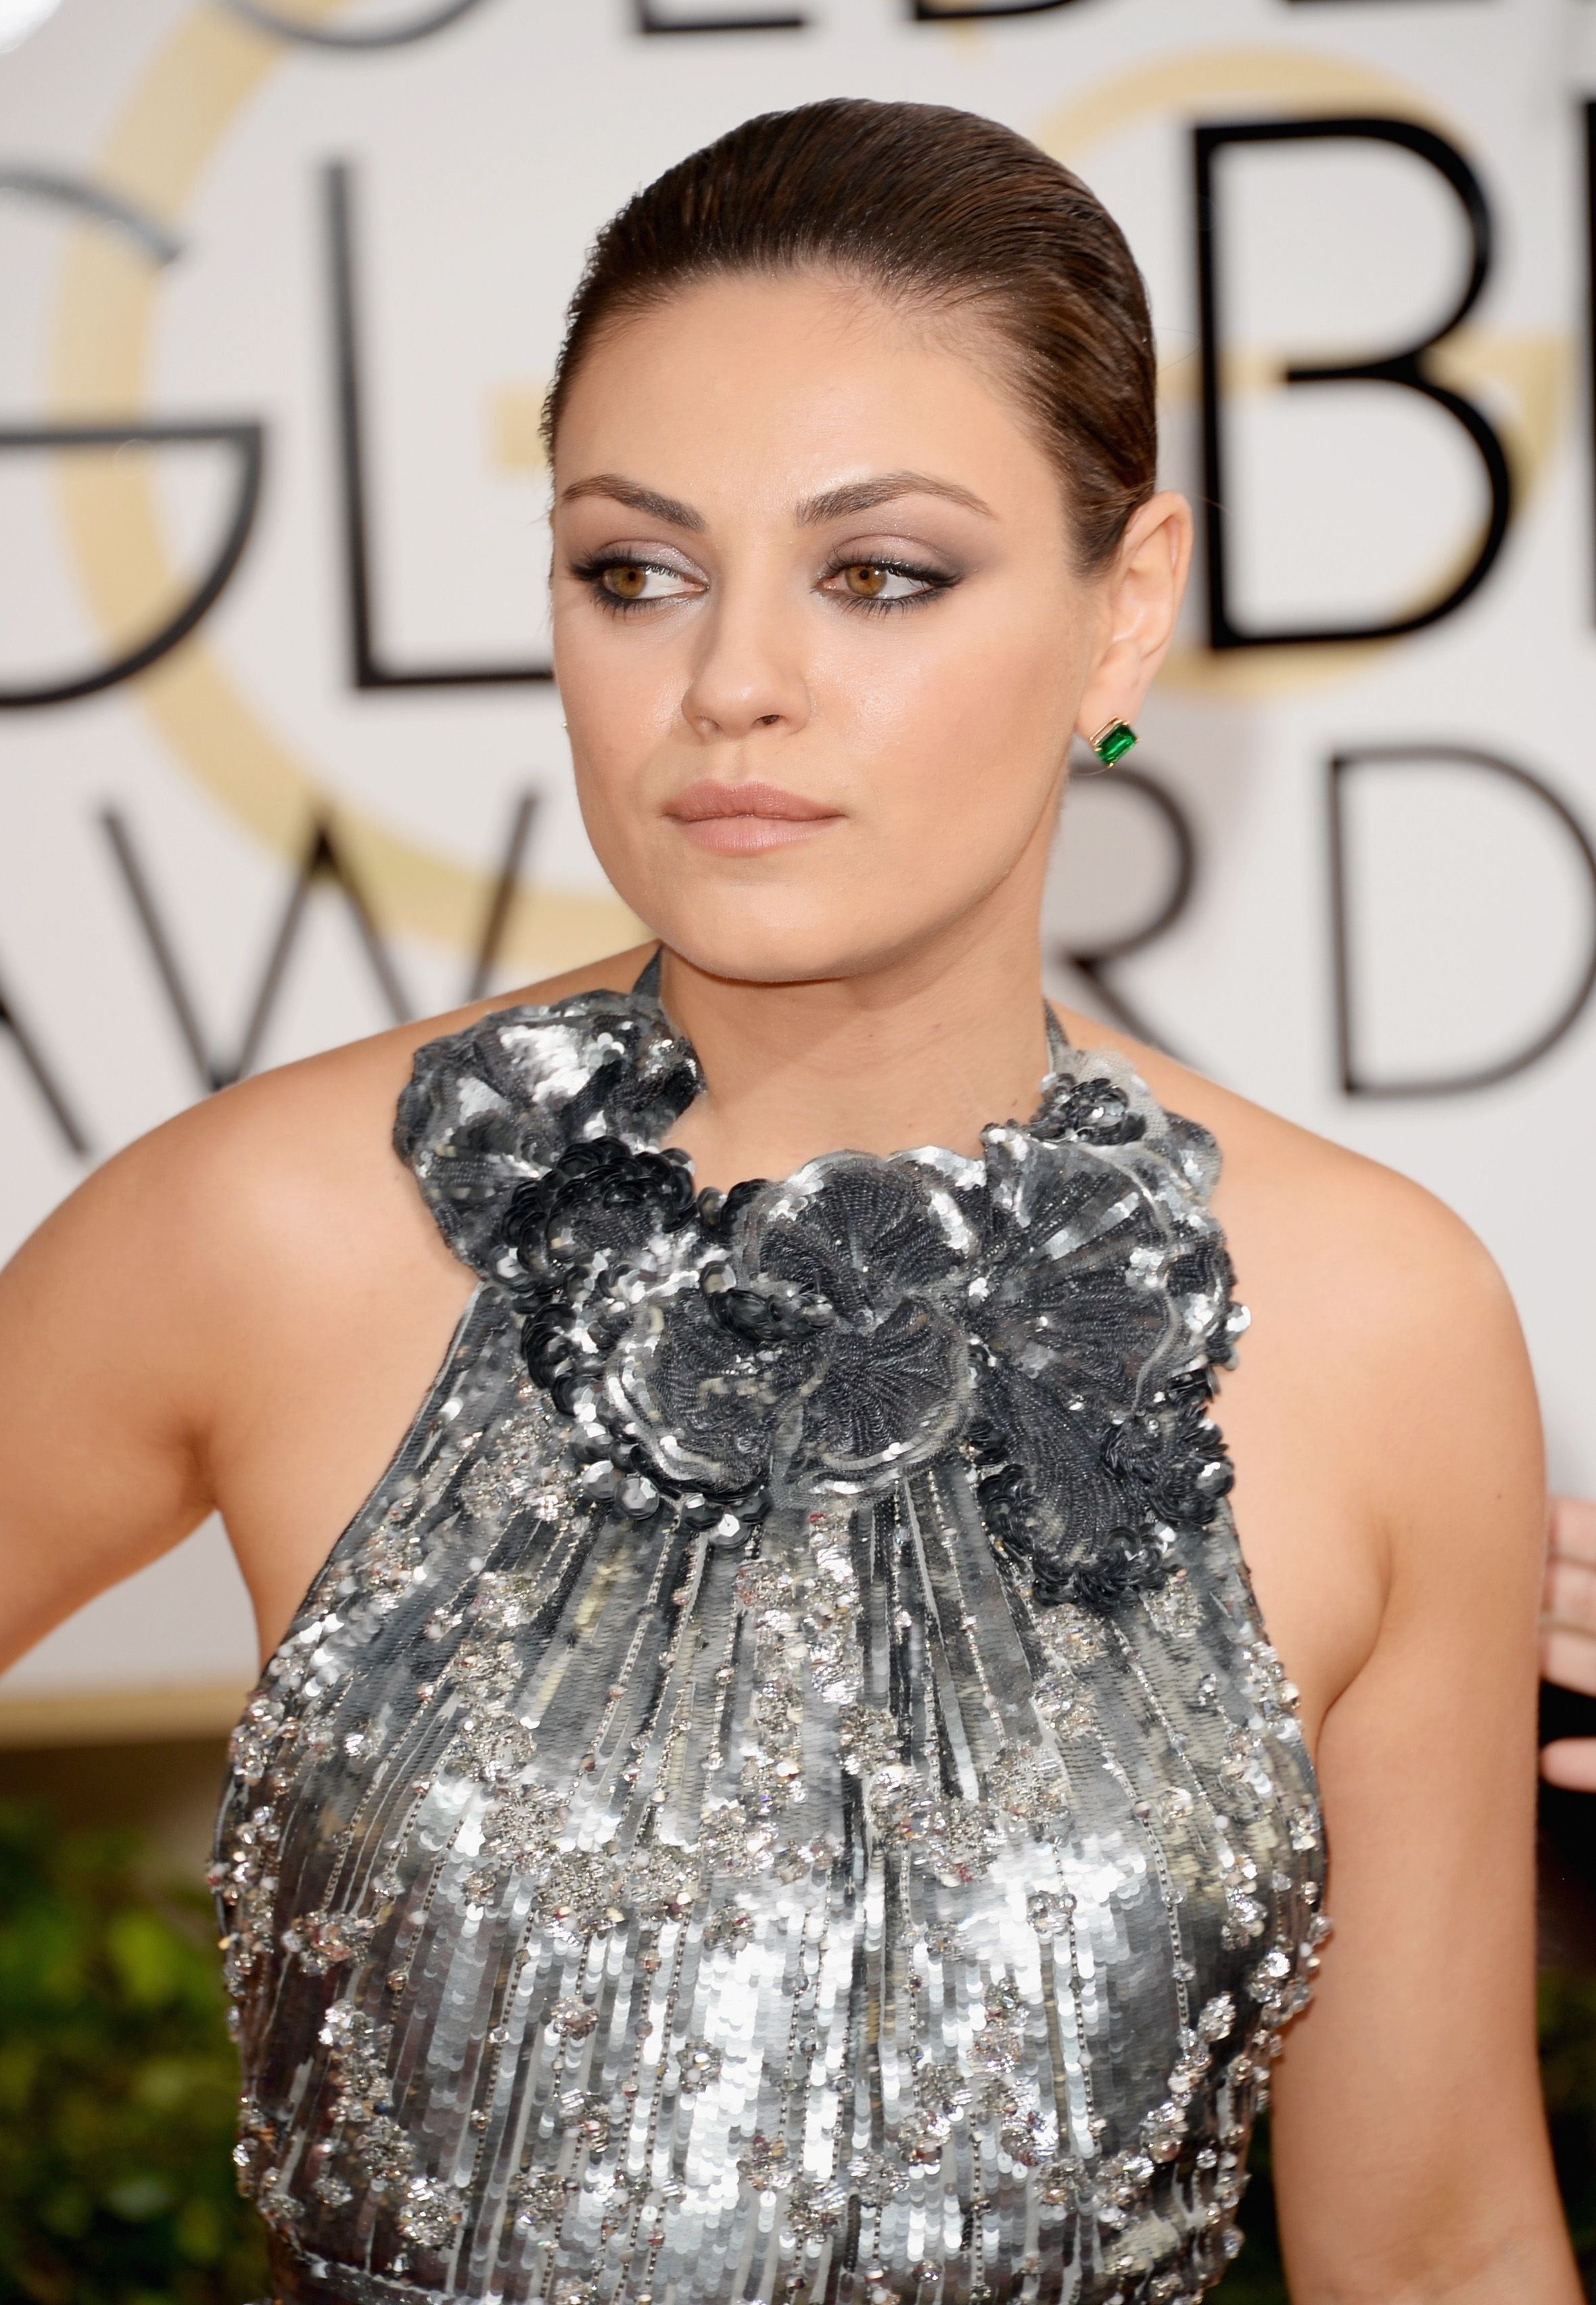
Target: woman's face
pixel 818 634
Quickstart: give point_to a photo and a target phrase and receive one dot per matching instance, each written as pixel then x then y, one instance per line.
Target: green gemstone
pixel 1115 742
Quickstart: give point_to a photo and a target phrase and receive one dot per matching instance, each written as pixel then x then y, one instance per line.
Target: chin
pixel 738 943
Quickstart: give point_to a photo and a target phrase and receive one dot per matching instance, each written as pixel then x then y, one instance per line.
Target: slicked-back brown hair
pixel 929 206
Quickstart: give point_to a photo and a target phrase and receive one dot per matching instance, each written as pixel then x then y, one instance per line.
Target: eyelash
pixel 588 572
pixel 933 580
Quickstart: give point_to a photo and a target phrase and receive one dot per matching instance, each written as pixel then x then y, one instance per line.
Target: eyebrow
pixel 633 494
pixel 811 511
pixel 863 495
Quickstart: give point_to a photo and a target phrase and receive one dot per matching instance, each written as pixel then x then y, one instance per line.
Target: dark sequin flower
pixel 1052 1313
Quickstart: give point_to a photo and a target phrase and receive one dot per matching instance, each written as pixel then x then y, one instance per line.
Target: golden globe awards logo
pixel 116 416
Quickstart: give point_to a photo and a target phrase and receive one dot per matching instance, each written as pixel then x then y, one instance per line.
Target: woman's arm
pixel 101 1459
pixel 242 1311
pixel 1409 2138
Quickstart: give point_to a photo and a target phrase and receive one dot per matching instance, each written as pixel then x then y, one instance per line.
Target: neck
pixel 927 1050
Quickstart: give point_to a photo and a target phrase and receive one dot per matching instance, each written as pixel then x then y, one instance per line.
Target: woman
pixel 782 1788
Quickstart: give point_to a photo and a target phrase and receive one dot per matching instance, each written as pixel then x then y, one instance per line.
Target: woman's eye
pixel 625 583
pixel 878 582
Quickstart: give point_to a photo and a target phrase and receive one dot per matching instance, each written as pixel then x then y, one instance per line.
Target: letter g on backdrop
pixel 349 653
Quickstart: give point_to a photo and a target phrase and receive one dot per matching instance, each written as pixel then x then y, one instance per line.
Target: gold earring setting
pixel 1114 742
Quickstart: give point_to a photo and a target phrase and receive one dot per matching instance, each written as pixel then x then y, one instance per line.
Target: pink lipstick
pixel 744 819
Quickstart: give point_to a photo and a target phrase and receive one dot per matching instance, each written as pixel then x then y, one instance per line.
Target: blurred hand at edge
pixel 1569 1633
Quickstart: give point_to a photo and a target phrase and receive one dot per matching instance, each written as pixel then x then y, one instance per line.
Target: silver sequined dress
pixel 782 1791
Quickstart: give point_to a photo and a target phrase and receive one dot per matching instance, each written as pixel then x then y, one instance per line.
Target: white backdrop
pixel 203 221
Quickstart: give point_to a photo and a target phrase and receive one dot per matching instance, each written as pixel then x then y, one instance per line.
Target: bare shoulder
pixel 315 1118
pixel 279 1182
pixel 1382 1416
pixel 1373 1252
pixel 330 1113
pixel 1385 1367
pixel 255 1297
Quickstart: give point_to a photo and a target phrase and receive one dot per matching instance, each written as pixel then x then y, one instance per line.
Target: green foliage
pixel 1568 2070
pixel 117 2082
pixel 1258 2278
pixel 117 2087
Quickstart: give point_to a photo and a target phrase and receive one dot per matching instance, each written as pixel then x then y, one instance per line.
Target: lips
pixel 743 820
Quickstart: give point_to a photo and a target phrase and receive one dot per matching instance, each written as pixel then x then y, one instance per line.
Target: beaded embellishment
pixel 782 1791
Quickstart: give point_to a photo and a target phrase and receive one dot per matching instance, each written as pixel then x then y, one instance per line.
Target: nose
pixel 748 673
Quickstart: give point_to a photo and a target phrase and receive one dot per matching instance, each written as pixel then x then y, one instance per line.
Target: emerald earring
pixel 1114 742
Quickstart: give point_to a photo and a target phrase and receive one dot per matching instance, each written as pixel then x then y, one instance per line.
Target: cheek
pixel 621 703
pixel 965 711
pixel 618 684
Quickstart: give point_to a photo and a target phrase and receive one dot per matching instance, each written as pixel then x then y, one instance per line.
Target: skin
pixel 244 1309
pixel 1569 1633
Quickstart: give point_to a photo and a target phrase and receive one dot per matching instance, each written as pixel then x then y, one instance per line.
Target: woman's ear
pixel 1142 598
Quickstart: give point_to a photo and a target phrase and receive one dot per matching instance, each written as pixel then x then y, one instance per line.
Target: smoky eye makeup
pixel 621 580
pixel 858 575
pixel 885 581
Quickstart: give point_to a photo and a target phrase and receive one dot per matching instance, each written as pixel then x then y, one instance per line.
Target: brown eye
pixel 864 580
pixel 625 580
